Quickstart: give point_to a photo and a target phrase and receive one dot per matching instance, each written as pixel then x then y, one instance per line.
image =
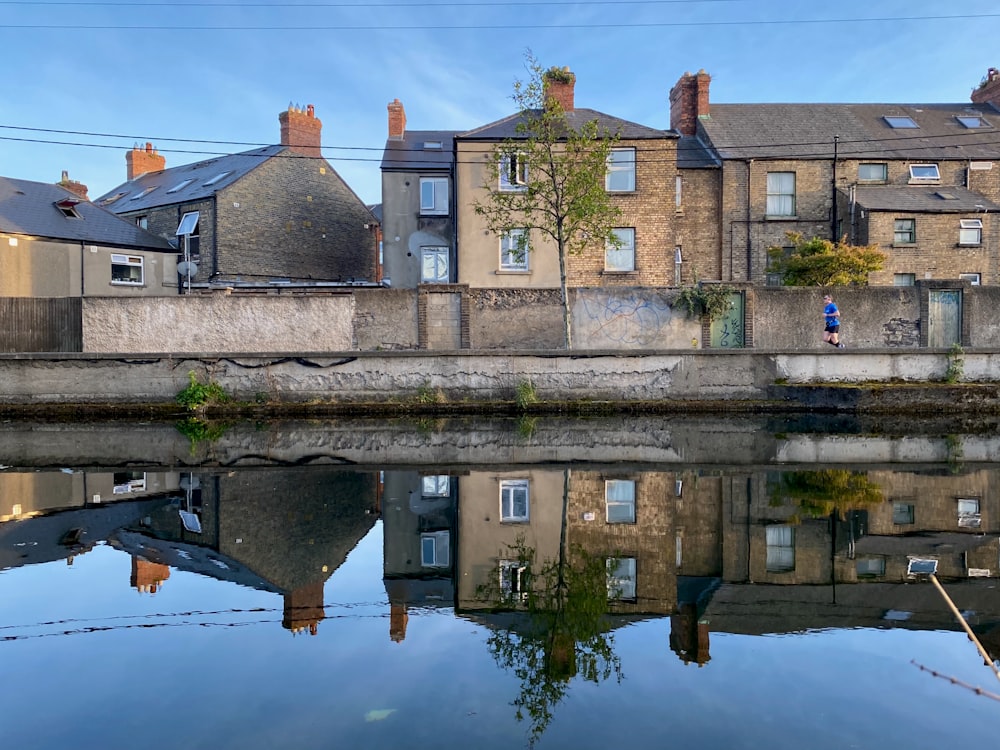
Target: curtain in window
pixel 780 193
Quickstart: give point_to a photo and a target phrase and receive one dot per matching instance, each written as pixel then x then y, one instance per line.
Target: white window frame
pixel 180 185
pixel 128 261
pixel 188 225
pixel 438 255
pixel 900 122
pixel 514 580
pixel 434 196
pixel 621 259
pixel 968 513
pixel 883 172
pixel 513 172
pixel 621 578
pixel 973 122
pixel 510 492
pixel 435 485
pixel 780 199
pixel 970 232
pixel 620 175
pixel 780 540
pixel 438 544
pixel 514 250
pixel 133 484
pixel 924 173
pixel 973 278
pixel 911 232
pixel 619 500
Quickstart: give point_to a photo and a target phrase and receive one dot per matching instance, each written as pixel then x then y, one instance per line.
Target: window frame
pixel 508 489
pixel 909 278
pixel 440 252
pixel 626 503
pixel 513 165
pixel 935 177
pixel 440 549
pixel 884 171
pixel 970 225
pixel 777 194
pixel 783 558
pixel 911 513
pixel 625 166
pixel 514 580
pixel 627 246
pixel 897 232
pixel 975 279
pixel 980 122
pixel 437 186
pixel 510 247
pixel 128 261
pixel 622 570
pixel 900 122
pixel 968 511
pixel 435 485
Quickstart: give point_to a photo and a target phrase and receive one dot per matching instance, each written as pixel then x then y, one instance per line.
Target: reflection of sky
pixel 257 686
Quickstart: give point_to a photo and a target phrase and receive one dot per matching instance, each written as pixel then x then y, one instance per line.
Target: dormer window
pixel 67 207
pixel 898 122
pixel 924 173
pixel 180 186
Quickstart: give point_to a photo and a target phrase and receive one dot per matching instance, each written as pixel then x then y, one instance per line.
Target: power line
pixel 363 6
pixel 521 26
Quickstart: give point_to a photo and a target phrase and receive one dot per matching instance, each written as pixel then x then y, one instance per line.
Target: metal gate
pixel 727 331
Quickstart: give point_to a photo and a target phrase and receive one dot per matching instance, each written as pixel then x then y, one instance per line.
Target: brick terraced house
pixel 270 215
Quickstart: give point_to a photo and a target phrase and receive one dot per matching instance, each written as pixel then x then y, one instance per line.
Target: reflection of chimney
pixel 304 609
pixel 77 188
pixel 301 130
pixel 559 85
pixel 397 120
pixel 147 577
pixel 689 635
pixel 139 161
pixel 397 622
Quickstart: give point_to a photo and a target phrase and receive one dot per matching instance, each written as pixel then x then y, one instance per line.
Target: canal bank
pixel 591 382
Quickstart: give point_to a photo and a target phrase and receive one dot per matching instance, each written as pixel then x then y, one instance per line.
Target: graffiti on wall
pixel 623 317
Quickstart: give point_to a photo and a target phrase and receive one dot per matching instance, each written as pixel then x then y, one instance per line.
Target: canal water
pixel 536 583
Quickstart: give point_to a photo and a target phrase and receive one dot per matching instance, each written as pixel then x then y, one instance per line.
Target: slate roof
pixel 806 131
pixel 155 189
pixel 507 127
pixel 29 208
pixel 410 153
pixel 923 199
pixel 693 154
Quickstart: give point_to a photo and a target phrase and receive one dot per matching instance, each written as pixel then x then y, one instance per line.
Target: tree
pixel 819 262
pixel 556 168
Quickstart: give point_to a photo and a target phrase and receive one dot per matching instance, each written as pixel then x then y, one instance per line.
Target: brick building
pixel 275 214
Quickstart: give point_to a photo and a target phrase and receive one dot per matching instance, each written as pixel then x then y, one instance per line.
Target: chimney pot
pixel 301 130
pixel 140 161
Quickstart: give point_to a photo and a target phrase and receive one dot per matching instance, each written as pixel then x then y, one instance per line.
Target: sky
pixel 83 81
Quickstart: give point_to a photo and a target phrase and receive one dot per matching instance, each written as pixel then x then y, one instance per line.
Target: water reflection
pixel 552 561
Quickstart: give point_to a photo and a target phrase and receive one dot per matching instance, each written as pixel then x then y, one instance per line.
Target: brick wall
pixel 697 225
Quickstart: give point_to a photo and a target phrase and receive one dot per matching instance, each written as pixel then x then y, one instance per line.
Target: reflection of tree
pixel 561 632
pixel 822 493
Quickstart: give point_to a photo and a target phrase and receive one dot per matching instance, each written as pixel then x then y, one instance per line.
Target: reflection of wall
pixel 697 503
pixel 24 494
pixel 934 497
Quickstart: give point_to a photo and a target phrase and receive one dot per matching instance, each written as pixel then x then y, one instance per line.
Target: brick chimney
pixel 139 161
pixel 397 120
pixel 689 102
pixel 300 130
pixel 559 84
pixel 304 609
pixel 77 188
pixel 398 617
pixel 147 577
pixel 989 90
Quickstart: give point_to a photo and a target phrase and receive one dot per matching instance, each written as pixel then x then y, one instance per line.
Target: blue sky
pixel 222 70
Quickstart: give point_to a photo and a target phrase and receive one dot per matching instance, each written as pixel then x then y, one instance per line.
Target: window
pixel 217 179
pixel 128 481
pixel 126 270
pixel 780 194
pixel 968 513
pixel 180 186
pixel 619 498
pixel 902 514
pixel 144 193
pixel 514 250
pixel 432 145
pixel 434 265
pixel 970 232
pixel 620 177
pixel 678 192
pixel 434 195
pixel 924 173
pixel 514 580
pixel 192 523
pixel 189 229
pixel 67 207
pixel 972 278
pixel 435 486
pixel 874 566
pixel 621 578
pixel 679 549
pixel 780 549
pixel 513 500
pixel 900 122
pixel 920 565
pixel 621 258
pixel 972 121
pixel 905 232
pixel 873 172
pixel 513 172
pixel 904 279
pixel 435 549
pixel 142 222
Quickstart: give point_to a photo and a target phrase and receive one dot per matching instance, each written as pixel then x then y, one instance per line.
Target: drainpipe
pixel 83 286
pixel 833 213
pixel 749 246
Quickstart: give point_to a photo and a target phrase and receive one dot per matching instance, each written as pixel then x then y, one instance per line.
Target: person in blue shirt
pixel 831 315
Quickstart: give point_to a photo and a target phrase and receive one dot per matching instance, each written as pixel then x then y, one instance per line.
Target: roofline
pixel 77 241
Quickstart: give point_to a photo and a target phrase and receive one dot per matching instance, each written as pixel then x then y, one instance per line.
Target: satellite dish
pixel 187 268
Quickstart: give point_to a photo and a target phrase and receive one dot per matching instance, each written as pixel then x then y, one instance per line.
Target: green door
pixel 944 318
pixel 727 331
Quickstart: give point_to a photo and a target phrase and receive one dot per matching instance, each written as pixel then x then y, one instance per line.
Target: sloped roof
pixel 29 208
pixel 807 131
pixel 693 154
pixel 575 118
pixel 199 180
pixel 923 199
pixel 411 152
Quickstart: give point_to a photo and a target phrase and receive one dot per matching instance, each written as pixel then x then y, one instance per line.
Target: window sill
pixel 512 272
pixel 904 245
pixel 129 284
pixel 969 244
pixel 781 218
pixel 607 272
pixel 621 192
pixel 428 215
pixel 873 182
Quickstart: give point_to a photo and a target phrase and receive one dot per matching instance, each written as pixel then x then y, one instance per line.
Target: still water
pixel 558 583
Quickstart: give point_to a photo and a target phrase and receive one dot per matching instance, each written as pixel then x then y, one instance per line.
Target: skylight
pixel 218 178
pixel 436 145
pixel 972 121
pixel 68 208
pixel 144 193
pixel 894 121
pixel 180 186
pixel 111 199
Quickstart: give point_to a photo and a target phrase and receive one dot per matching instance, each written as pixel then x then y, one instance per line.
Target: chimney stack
pixel 147 577
pixel 559 84
pixel 689 102
pixel 300 130
pixel 397 120
pixel 140 161
pixel 989 90
pixel 77 188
